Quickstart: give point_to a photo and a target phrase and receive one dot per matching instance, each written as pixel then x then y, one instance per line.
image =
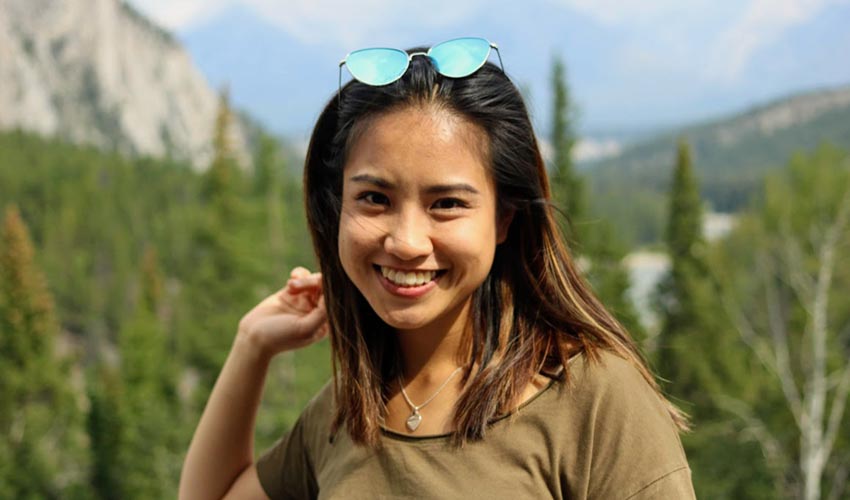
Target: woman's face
pixel 419 228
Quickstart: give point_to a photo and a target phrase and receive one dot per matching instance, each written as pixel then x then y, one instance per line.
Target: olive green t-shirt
pixel 603 435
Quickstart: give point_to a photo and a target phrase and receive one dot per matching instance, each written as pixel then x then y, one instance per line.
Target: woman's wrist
pixel 253 346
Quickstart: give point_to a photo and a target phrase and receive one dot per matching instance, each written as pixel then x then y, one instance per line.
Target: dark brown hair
pixel 531 312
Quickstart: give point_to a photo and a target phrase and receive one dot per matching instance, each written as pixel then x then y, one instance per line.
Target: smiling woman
pixel 430 213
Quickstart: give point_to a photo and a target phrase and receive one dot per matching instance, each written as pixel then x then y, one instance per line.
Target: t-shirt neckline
pixel 397 436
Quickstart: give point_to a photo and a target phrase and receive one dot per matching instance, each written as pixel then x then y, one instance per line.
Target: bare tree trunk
pixel 807 404
pixel 817 434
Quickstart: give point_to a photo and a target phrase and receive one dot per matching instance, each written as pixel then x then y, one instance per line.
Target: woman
pixel 470 358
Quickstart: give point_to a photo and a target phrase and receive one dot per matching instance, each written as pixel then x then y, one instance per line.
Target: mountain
pixel 98 72
pixel 731 156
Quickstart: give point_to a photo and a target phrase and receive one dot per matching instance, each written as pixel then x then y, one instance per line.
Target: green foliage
pixel 149 398
pixel 221 268
pixel 39 417
pixel 567 186
pixel 151 325
pixel 106 433
pixel 685 298
pixel 697 352
pixel 782 288
pixel 684 226
pixel 610 279
pixel 738 338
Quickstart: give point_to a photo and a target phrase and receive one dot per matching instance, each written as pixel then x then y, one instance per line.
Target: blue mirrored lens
pixel 460 57
pixel 377 66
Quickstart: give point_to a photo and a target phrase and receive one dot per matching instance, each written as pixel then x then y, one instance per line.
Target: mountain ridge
pixel 731 155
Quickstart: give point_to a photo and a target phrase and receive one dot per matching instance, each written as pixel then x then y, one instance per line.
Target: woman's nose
pixel 408 236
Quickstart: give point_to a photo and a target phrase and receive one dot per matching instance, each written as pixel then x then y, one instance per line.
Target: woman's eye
pixel 374 198
pixel 449 204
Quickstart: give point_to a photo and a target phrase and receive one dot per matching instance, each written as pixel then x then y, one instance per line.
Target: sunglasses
pixel 454 58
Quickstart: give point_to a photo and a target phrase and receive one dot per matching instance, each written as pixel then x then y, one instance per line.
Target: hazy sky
pixel 631 63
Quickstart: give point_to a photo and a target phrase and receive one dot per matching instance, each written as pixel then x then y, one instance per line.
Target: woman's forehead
pixel 419 142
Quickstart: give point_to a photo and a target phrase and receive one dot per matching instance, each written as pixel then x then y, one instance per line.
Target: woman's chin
pixel 404 320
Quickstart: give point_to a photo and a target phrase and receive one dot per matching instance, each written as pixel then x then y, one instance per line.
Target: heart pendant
pixel 413 421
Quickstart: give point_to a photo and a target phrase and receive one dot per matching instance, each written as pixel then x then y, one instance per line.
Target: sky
pixel 632 65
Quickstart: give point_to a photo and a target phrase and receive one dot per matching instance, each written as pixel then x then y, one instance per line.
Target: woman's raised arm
pixel 220 458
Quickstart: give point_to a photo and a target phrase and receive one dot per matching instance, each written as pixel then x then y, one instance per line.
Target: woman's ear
pixel 503 224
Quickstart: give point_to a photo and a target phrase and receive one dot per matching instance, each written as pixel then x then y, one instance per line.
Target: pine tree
pixel 268 189
pixel 267 165
pixel 595 243
pixel 682 292
pixel 226 261
pixel 567 186
pixel 684 225
pixel 148 399
pixel 40 429
pixel 106 426
pixel 222 182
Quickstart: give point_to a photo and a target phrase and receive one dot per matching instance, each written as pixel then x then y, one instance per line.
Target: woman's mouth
pixel 408 283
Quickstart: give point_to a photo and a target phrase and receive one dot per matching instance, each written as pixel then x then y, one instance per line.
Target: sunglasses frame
pixel 426 54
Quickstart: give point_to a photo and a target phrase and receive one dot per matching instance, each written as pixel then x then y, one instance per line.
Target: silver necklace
pixel 415 417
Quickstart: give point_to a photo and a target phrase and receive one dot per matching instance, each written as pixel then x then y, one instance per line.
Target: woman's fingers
pixel 281 327
pixel 303 282
pixel 312 322
pixel 299 272
pixel 301 292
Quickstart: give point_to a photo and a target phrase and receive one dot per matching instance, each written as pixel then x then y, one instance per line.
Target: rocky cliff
pixel 98 72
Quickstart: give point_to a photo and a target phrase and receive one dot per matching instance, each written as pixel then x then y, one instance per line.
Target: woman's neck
pixel 435 350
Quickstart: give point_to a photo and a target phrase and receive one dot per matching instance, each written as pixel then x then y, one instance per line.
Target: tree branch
pixel 795 264
pixel 839 478
pixel 776 458
pixel 818 444
pixel 836 413
pixel 779 334
pixel 748 334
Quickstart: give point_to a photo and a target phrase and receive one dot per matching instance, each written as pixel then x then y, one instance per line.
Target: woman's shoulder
pixel 604 375
pixel 318 413
pixel 322 402
pixel 609 399
pixel 616 414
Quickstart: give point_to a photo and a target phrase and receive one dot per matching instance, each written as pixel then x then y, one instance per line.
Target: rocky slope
pixel 98 72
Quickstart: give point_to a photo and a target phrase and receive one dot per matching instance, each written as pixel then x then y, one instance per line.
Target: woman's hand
pixel 290 318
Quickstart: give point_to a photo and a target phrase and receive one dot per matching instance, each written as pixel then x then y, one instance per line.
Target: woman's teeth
pixel 402 278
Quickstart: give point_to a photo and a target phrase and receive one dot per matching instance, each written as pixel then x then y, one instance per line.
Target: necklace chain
pixel 415 417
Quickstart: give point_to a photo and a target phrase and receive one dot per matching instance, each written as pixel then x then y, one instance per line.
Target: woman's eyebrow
pixel 371 179
pixel 435 189
pixel 448 188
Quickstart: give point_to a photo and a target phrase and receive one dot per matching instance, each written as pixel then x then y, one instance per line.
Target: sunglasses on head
pixel 454 58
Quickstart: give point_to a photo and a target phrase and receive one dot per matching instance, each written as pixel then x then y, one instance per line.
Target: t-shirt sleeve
pixel 635 446
pixel 285 470
pixel 674 485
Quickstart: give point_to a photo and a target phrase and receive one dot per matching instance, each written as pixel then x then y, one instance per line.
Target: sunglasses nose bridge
pixel 412 54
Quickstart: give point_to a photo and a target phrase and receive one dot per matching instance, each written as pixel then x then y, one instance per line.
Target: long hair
pixel 532 311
